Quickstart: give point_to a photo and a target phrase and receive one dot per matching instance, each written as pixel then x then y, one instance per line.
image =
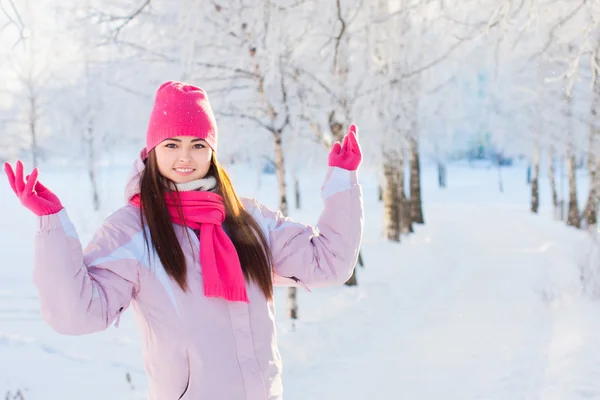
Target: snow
pixel 484 301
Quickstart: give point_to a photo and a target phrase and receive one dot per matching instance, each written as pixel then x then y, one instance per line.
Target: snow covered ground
pixel 482 302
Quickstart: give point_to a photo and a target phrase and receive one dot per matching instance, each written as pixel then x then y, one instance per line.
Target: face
pixel 183 158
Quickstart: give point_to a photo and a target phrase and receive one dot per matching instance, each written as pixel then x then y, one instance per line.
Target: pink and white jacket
pixel 195 347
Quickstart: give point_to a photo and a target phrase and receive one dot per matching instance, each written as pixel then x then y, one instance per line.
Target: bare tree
pixel 391 198
pixel 573 216
pixel 394 199
pixel 415 181
pixel 339 115
pixel 33 115
pixel 405 209
pixel 89 132
pixel 33 80
pixel 552 176
pixel 535 193
pixel 591 209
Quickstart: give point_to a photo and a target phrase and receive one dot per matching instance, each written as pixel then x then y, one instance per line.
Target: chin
pixel 185 179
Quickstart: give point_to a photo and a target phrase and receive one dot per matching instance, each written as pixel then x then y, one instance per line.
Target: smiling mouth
pixel 184 171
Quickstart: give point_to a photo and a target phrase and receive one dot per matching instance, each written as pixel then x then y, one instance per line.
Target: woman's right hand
pixel 33 195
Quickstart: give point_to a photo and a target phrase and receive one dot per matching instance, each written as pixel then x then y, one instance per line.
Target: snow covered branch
pixel 13 18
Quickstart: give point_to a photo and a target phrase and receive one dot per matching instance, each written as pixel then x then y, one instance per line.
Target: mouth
pixel 184 171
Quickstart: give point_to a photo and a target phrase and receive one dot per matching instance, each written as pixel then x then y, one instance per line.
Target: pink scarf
pixel 221 270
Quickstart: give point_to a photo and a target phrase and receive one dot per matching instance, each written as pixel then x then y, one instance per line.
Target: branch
pixel 558 25
pixel 319 137
pixel 338 38
pixel 246 116
pixel 430 64
pixel 286 106
pixel 104 18
pixel 317 80
pixel 126 89
pixel 16 21
pixel 439 87
pixel 493 21
pixel 229 89
pixel 166 58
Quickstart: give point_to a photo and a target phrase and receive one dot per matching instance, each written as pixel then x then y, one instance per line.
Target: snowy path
pixel 468 313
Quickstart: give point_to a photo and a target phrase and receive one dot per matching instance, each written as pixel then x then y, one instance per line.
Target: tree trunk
pixel 573 215
pixel 33 115
pixel 441 175
pixel 352 280
pixel 280 170
pixel 89 139
pixel 292 303
pixel 573 218
pixel 296 190
pixel 89 136
pixel 283 208
pixel 591 209
pixel 552 177
pixel 499 166
pixel 535 172
pixel 406 222
pixel 405 204
pixel 391 201
pixel 415 182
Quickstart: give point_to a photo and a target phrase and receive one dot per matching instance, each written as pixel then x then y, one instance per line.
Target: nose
pixel 184 155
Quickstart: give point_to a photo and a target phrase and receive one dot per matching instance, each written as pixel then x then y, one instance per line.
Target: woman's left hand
pixel 347 155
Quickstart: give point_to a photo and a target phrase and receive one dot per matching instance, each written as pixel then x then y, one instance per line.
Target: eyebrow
pixel 179 140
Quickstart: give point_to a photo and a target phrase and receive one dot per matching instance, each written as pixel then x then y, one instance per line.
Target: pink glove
pixel 32 193
pixel 347 155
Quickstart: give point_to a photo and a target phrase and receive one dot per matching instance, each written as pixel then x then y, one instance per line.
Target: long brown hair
pixel 241 227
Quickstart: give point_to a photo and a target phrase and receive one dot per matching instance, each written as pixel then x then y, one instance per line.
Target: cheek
pixel 203 159
pixel 164 162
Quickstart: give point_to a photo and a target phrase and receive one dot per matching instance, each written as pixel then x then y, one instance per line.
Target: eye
pixel 171 145
pixel 199 146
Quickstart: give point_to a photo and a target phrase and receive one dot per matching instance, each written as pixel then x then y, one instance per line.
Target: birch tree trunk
pixel 499 168
pixel 391 200
pixel 441 169
pixel 297 191
pixel 591 209
pixel 91 162
pixel 415 182
pixel 573 215
pixel 404 203
pixel 535 193
pixel 283 208
pixel 340 69
pixel 552 177
pixel 274 114
pixel 89 135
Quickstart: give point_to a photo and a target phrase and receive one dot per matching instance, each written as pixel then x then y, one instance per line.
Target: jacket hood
pixel 133 182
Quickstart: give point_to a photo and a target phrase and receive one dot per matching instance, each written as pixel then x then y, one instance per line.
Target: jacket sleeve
pixel 80 291
pixel 326 254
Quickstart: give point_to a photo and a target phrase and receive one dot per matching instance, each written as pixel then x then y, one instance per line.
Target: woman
pixel 197 263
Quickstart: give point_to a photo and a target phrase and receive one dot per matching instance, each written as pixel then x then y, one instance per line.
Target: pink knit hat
pixel 181 110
